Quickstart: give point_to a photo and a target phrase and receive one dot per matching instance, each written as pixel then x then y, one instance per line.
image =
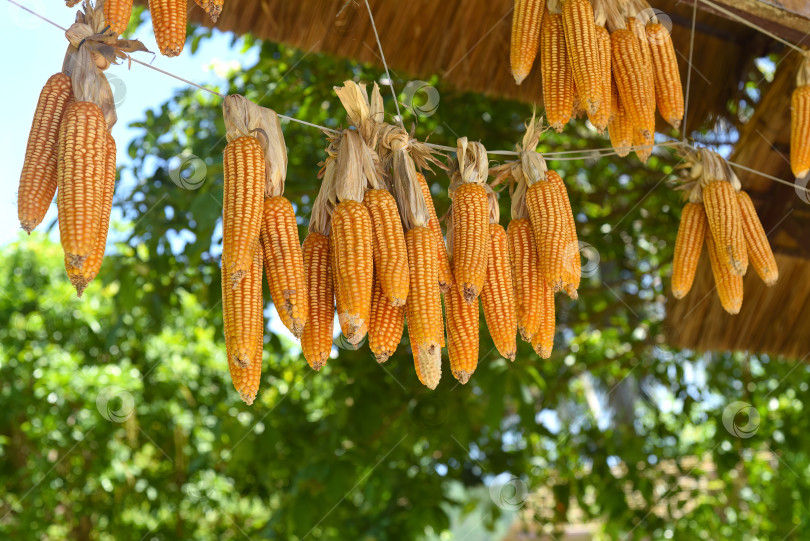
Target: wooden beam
pixel 788 19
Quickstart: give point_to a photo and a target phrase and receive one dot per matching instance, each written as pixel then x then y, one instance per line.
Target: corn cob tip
pixel 571 291
pixel 382 356
pixel 470 292
pixel 544 352
pixel 28 226
pixel 558 127
pixel 80 283
pixel 247 398
pixel 519 76
pixel 524 334
pixel 462 376
pixel 397 301
pixel 509 355
pixel 317 364
pixel 737 267
pixel 679 293
pixel 75 261
pixel 444 287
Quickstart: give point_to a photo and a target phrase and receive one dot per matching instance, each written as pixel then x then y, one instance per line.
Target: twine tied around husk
pixel 702 166
pixel 243 117
pixel 470 166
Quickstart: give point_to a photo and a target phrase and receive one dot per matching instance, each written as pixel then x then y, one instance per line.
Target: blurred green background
pixel 118 420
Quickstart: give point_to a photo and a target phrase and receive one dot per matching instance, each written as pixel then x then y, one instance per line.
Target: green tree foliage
pixel 118 419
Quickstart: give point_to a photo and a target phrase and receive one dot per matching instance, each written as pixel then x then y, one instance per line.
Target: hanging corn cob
pixel 555 67
pixel 601 117
pixel 117 13
pixel 462 333
pixel 723 212
pixel 386 325
pixel 800 121
pixel 688 246
pixel 756 241
pixel 729 286
pixel 668 87
pixel 543 339
pixel 445 274
pixel 583 53
pixel 38 178
pixel 527 17
pixel 470 219
pixel 497 297
pixel 390 254
pixel 242 307
pixel 169 25
pixel 620 127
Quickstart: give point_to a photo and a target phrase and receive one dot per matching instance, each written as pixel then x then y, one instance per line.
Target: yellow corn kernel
pixel 246 379
pixel 668 88
pixel 316 341
pixel 800 131
pixel 756 241
pixel 498 295
pixel 558 78
pixel 242 313
pixel 242 204
pixel 725 222
pixel 729 285
pixel 38 178
pixel 352 267
pixel 390 254
pixel 117 14
pixel 572 264
pixel 601 117
pixel 543 340
pixel 470 239
pixel 526 277
pixel 550 225
pixel 462 335
pixel 688 246
pixel 385 327
pixel 620 127
pixel 446 279
pixel 169 25
pixel 632 83
pixel 583 52
pixel 81 172
pixel 424 310
pixel 284 264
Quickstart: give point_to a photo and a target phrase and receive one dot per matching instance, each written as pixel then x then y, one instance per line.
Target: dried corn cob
pixel 668 89
pixel 242 207
pixel 526 276
pixel 688 246
pixel 169 25
pixel 729 285
pixel 213 8
pixel 424 311
pixel 385 327
pixel 117 14
pixel 583 53
pixel 284 264
pixel 81 171
pixel 572 264
pixel 470 245
pixel 390 254
pixel 246 379
pixel 620 127
pixel 462 335
pixel 242 313
pixel 558 78
pixel 601 117
pixel 648 71
pixel 498 295
pixel 550 225
pixel 543 339
pixel 632 83
pixel 38 177
pixel 800 131
pixel 81 277
pixel 756 241
pixel 527 17
pixel 445 275
pixel 352 267
pixel 725 223
pixel 316 340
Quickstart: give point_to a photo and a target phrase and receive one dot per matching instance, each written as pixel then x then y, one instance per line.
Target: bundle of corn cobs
pixel 724 215
pixel 169 19
pixel 70 151
pixel 616 78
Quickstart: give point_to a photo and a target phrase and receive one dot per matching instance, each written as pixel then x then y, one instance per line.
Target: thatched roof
pixel 466 43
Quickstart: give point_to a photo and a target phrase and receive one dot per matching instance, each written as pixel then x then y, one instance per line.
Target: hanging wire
pixel 385 65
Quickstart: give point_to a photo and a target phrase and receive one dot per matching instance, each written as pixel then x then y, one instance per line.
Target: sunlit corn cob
pixel 81 277
pixel 601 117
pixel 316 340
pixel 498 295
pixel 800 131
pixel 543 339
pixel 688 245
pixel 242 204
pixel 445 274
pixel 390 254
pixel 729 285
pixel 424 311
pixel 526 277
pixel 462 335
pixel 648 71
pixel 117 14
pixel 526 20
pixel 81 172
pixel 642 147
pixel 631 82
pixel 550 226
pixel 668 88
pixel 242 313
pixel 246 379
pixel 284 264
pixel 620 127
pixel 580 40
pixel 169 25
pixel 725 223
pixel 213 8
pixel 572 264
pixel 352 267
pixel 756 241
pixel 385 327
pixel 470 239
pixel 38 177
pixel 558 79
